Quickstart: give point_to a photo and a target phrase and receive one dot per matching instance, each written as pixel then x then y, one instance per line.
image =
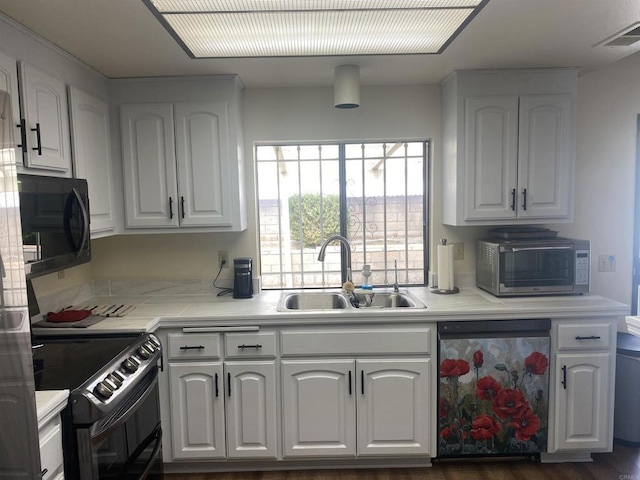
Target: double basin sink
pixel 319 301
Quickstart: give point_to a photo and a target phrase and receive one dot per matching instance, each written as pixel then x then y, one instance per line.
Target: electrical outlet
pixel 458 251
pixel 606 263
pixel 223 257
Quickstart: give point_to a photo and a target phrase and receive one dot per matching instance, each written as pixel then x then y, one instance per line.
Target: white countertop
pixel 470 304
pixel 49 403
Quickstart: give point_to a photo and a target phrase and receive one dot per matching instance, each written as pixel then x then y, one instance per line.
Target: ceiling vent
pixel 626 38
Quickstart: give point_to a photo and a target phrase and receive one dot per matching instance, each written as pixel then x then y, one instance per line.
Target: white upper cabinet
pixel 9 83
pixel 181 167
pixel 43 99
pixel 508 147
pixel 149 163
pixel 92 156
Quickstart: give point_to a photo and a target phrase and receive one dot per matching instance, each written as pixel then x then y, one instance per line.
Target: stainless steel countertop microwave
pixel 553 266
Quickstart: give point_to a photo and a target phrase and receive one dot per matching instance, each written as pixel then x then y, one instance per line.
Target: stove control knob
pixel 150 346
pixel 103 390
pixel 143 352
pixel 130 365
pixel 155 341
pixel 114 379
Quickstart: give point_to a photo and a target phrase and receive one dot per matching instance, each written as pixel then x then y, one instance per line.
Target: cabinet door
pixel 92 154
pixel 149 165
pixel 197 410
pixel 545 150
pixel 9 83
pixel 202 149
pixel 393 406
pixel 319 408
pixel 582 414
pixel 44 104
pixel 491 148
pixel 251 409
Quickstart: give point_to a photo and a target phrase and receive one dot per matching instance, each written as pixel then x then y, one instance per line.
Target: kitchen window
pixel 373 193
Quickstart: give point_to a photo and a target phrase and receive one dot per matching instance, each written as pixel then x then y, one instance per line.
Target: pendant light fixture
pixel 346 86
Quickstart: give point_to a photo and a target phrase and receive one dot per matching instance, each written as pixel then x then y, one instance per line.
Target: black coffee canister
pixel 242 277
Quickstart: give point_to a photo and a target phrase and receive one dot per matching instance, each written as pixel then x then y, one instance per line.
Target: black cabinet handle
pixel 182 205
pixel 23 135
pixel 229 383
pixel 217 391
pixel 362 381
pixel 171 208
pixel 513 199
pixel 564 376
pixel 38 139
pixel 591 337
pixel 188 347
pixel 257 346
pixel 44 472
pixel 524 199
pixel 350 389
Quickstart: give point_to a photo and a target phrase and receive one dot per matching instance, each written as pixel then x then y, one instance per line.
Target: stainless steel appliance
pixel 55 223
pixel 111 425
pixel 242 277
pixel 493 387
pixel 19 451
pixel 533 267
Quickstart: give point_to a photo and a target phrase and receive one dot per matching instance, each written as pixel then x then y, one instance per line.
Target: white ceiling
pixel 121 38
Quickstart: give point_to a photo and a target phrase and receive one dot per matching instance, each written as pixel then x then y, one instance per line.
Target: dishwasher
pixel 493 387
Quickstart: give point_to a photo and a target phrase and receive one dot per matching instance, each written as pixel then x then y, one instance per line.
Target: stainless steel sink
pixel 312 301
pixel 388 300
pixel 318 301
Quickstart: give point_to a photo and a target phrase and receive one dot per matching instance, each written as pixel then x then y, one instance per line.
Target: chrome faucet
pixel 347 245
pixel 395 284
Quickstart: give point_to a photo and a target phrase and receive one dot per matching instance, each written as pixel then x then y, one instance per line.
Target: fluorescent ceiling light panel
pixel 286 28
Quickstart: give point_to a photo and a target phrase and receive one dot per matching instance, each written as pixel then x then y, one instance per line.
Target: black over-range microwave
pixel 55 223
pixel 552 266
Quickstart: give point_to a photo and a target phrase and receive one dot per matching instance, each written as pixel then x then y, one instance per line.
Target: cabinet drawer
pixel 193 345
pixel 357 341
pixel 584 336
pixel 51 449
pixel 258 344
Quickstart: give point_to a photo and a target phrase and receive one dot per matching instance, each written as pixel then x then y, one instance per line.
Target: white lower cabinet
pixel 584 354
pixel 221 408
pixel 251 407
pixel 197 410
pixel 356 407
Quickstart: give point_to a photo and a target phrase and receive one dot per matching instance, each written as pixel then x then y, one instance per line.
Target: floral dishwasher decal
pixel 493 396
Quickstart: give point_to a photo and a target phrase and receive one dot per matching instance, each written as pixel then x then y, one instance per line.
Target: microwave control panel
pixel 582 267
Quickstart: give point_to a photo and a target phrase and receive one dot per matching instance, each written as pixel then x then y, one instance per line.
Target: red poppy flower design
pixel 509 403
pixel 478 358
pixel 484 427
pixel 536 363
pixel 526 425
pixel 445 433
pixel 453 368
pixel 487 388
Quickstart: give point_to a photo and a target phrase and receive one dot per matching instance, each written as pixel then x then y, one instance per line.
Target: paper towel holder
pixel 444 291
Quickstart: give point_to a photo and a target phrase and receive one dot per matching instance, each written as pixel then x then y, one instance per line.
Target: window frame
pixel 427 145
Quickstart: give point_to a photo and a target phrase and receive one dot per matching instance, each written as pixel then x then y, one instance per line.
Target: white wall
pixel 608 106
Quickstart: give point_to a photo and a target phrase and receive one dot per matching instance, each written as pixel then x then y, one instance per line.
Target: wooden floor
pixel 622 464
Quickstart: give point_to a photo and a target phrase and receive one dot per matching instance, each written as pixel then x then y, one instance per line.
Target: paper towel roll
pixel 445 267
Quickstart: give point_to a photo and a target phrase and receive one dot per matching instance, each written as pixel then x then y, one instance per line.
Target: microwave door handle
pixel 538 249
pixel 85 221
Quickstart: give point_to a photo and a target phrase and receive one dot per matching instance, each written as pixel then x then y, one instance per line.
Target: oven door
pixel 537 268
pixel 127 447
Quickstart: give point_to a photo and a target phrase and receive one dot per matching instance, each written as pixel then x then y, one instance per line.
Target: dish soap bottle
pixel 366 273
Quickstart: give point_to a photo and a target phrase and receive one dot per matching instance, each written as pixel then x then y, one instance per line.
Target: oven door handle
pixel 104 429
pixel 156 435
